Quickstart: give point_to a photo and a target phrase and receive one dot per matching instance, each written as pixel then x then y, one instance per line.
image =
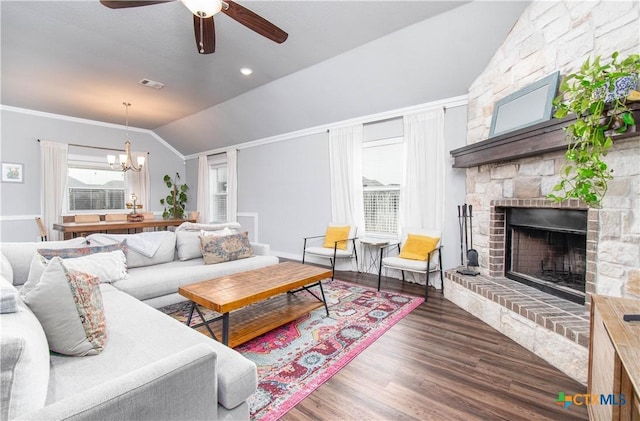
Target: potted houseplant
pixel 597 96
pixel 176 200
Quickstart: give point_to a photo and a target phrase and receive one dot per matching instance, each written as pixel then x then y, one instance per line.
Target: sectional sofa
pixel 151 367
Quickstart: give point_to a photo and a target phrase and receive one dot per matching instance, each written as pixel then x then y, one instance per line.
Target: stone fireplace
pixel 538 291
pixel 517 170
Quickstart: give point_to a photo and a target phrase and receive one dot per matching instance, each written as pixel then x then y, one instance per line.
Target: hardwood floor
pixel 440 363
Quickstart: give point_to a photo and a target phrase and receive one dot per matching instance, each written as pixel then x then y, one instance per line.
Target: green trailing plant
pixel 597 96
pixel 176 201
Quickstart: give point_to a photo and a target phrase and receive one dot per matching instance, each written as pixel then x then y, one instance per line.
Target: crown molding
pixel 92 123
pixel 453 102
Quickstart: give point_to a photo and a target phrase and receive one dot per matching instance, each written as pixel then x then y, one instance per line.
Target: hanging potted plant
pixel 176 200
pixel 597 95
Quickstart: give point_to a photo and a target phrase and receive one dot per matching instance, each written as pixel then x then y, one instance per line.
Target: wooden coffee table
pixel 272 291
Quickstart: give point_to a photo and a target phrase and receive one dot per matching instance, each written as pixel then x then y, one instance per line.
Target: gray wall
pixel 20 203
pixel 287 185
pixel 431 60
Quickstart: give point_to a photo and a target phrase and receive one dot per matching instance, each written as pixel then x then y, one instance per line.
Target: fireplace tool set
pixel 465 213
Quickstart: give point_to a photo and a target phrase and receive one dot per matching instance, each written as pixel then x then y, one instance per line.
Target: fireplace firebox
pixel 546 249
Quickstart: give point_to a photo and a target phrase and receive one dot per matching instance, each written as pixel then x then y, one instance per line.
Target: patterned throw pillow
pixel 68 305
pixel 68 253
pixel 226 248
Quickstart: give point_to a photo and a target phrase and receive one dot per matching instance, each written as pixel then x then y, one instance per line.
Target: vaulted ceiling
pixel 81 59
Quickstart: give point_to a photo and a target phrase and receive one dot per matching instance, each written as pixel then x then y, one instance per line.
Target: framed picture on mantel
pixel 530 105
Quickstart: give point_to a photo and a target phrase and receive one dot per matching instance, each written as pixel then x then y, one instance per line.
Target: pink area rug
pixel 299 357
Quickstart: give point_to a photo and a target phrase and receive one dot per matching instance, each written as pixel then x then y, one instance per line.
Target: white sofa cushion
pixel 24 366
pixel 158 280
pixel 68 304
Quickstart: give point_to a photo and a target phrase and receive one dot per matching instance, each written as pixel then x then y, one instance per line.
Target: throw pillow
pixel 68 304
pixel 20 254
pixel 188 242
pixel 218 233
pixel 67 253
pixel 108 267
pixel 6 270
pixel 334 234
pixel 418 247
pixel 226 248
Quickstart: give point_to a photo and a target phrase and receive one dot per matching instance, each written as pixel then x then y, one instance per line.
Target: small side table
pixel 371 254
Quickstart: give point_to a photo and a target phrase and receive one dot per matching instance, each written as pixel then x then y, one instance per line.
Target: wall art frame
pixel 530 105
pixel 12 172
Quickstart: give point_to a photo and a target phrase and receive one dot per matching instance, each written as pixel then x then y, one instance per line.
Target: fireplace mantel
pixel 534 140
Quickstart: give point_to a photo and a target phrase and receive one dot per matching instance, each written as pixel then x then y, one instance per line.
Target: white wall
pixel 20 203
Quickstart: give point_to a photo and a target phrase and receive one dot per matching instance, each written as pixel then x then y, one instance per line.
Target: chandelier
pixel 126 162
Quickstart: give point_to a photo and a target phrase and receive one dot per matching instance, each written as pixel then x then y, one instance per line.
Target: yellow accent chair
pixel 338 242
pixel 419 251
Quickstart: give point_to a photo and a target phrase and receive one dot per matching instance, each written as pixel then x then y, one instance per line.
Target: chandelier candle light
pixel 126 161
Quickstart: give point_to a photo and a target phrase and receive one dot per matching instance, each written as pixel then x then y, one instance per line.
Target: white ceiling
pixel 81 59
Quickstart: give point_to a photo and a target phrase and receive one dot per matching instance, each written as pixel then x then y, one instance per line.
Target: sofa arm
pixel 261 249
pixel 182 386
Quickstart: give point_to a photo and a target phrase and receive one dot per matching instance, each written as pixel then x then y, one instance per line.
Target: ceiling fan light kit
pixel 203 12
pixel 203 8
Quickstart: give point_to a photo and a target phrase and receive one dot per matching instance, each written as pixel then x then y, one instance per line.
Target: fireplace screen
pixel 546 248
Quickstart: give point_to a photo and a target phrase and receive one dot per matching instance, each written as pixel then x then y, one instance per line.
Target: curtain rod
pixel 444 109
pixel 94 147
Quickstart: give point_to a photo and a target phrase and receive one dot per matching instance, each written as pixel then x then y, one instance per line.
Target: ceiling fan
pixel 203 11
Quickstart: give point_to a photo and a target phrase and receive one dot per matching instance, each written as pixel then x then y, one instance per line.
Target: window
pixel 218 188
pixel 381 179
pixel 92 186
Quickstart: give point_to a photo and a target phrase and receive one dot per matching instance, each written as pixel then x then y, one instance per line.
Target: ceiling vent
pixel 151 83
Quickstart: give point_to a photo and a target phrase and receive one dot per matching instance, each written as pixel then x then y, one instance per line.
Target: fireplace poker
pixel 466 238
pixel 472 254
pixel 460 224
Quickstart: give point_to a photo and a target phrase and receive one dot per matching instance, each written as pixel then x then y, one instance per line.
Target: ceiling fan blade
pixel 205 33
pixel 255 22
pixel 118 4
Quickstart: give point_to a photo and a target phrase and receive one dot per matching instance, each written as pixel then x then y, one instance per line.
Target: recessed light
pixel 246 71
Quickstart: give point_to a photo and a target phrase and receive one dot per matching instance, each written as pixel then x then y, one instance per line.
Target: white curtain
pixel 422 192
pixel 202 198
pixel 345 160
pixel 53 162
pixel 232 185
pixel 138 182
